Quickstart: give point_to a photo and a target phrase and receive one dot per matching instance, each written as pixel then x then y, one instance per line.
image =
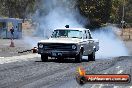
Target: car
pixel 69 43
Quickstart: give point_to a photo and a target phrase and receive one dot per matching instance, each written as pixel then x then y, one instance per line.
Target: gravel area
pixel 27 71
pixel 36 74
pixel 7 51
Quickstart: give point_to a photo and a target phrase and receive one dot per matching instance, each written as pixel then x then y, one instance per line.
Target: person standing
pixel 12 32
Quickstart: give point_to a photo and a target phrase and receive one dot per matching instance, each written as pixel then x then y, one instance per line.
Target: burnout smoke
pixel 31 41
pixel 54 14
pixel 110 44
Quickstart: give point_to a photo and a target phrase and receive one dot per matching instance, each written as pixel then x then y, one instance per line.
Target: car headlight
pixel 40 46
pixel 74 46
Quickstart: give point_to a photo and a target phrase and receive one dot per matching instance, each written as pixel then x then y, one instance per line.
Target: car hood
pixel 61 40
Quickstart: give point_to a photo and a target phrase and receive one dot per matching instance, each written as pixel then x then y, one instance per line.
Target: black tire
pixel 78 58
pixel 44 58
pixel 91 57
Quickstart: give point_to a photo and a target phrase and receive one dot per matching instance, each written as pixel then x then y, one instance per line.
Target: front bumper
pixel 55 53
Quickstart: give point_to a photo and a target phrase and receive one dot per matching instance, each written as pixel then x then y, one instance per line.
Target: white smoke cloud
pixel 31 41
pixel 58 13
pixel 110 44
pixel 53 14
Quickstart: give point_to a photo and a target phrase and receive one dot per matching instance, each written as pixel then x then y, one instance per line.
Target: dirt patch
pixel 7 51
pixel 126 34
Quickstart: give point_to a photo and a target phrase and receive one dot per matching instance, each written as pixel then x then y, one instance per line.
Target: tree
pixel 128 11
pixel 97 11
pixel 17 8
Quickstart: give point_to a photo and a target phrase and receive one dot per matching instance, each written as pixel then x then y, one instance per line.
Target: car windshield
pixel 67 33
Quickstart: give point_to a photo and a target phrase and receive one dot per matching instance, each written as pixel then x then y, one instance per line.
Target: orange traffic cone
pixel 12 43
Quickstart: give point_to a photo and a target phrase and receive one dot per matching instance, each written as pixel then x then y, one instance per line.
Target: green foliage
pixel 16 8
pixel 96 11
pixel 102 11
pixel 128 11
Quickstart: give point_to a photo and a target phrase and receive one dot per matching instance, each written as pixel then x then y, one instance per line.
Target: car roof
pixel 80 29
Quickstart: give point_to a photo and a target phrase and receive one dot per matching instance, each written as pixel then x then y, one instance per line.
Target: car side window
pixel 89 34
pixel 85 34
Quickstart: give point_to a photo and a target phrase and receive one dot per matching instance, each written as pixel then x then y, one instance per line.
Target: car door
pixel 85 42
pixel 90 42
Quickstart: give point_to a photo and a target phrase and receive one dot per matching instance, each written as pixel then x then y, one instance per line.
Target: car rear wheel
pixel 91 57
pixel 78 58
pixel 44 58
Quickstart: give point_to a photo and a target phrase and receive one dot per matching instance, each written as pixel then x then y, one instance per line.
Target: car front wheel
pixel 91 57
pixel 78 58
pixel 44 58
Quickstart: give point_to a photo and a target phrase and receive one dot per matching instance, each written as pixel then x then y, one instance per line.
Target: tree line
pixel 97 11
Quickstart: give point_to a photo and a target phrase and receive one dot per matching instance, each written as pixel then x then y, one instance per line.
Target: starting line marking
pixel 17 58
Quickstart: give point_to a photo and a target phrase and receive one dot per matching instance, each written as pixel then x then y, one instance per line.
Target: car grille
pixel 58 46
